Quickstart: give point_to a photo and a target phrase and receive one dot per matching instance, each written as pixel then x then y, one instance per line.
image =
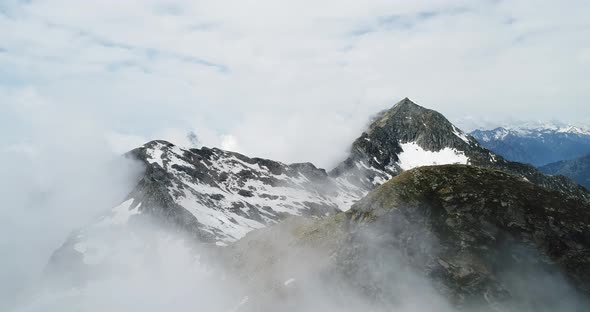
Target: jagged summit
pixel 218 196
pixel 408 136
pixel 403 137
pixel 407 122
pixel 405 108
pixel 406 103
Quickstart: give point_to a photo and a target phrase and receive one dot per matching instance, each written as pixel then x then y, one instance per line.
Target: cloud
pixel 220 66
pixel 57 179
pixel 122 143
pixel 293 81
pixel 229 143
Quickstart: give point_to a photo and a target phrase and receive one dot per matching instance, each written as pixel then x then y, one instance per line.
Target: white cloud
pixel 59 177
pixel 122 143
pixel 308 71
pixel 229 143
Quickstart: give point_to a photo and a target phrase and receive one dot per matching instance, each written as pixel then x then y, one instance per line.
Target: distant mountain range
pixel 536 144
pixel 576 169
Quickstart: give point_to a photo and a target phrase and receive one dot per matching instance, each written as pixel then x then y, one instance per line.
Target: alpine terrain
pixel 483 239
pixel 576 169
pixel 462 224
pixel 537 145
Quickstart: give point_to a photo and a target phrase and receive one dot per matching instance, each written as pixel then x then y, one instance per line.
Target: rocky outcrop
pixel 409 135
pixel 207 194
pixel 217 197
pixel 483 239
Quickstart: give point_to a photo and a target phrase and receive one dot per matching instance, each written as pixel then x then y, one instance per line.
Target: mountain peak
pixel 216 197
pixel 409 135
pixel 409 122
pixel 407 106
pixel 406 136
pixel 404 113
pixel 407 103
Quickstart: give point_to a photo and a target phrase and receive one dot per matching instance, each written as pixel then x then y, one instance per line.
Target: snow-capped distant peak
pixel 533 130
pixel 574 130
pixel 536 143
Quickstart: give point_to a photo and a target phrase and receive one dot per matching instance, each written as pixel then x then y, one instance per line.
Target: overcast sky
pixel 289 80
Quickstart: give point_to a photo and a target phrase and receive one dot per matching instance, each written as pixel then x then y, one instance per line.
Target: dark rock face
pixel 381 145
pixel 211 196
pixel 405 122
pixel 536 146
pixel 489 219
pixel 231 185
pixel 484 239
pixel 576 169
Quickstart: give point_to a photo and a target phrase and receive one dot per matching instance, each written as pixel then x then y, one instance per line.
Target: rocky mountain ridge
pixel 408 136
pixel 483 239
pixel 217 196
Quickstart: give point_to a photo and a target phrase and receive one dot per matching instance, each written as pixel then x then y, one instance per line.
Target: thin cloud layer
pixel 60 179
pixel 305 76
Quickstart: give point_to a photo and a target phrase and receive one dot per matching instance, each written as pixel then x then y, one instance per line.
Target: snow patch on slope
pixel 249 197
pixel 461 135
pixel 155 155
pixel 414 155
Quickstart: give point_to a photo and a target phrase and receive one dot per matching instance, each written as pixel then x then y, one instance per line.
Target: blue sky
pixel 289 80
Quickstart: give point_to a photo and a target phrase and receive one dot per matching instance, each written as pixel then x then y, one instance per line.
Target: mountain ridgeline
pixel 576 169
pixel 455 222
pixel 485 240
pixel 408 132
pixel 536 145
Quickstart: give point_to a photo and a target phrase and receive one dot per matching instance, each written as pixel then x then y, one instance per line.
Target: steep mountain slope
pixel 484 239
pixel 228 193
pixel 576 169
pixel 404 137
pixel 216 196
pixel 408 136
pixel 536 145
